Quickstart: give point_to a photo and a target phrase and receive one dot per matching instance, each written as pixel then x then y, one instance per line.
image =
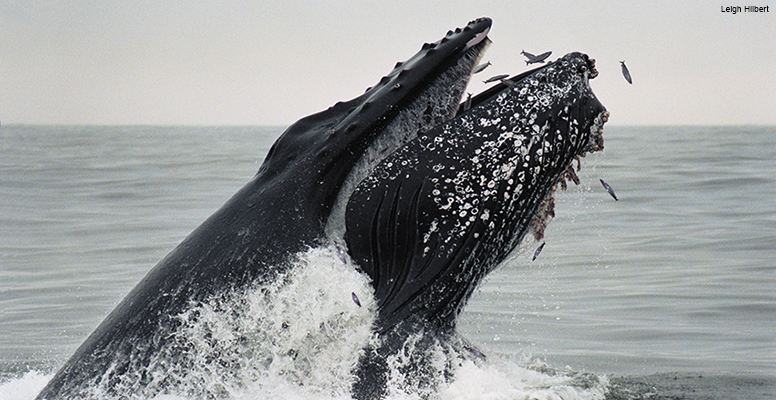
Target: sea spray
pixel 303 331
pixel 519 377
pixel 300 337
pixel 24 387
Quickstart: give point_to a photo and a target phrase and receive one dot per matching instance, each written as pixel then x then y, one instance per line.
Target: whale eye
pixel 582 68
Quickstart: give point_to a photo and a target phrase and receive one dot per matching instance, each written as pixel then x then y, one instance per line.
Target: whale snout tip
pixel 592 72
pixel 585 65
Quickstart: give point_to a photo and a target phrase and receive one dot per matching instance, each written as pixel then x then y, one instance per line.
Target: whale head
pixel 434 217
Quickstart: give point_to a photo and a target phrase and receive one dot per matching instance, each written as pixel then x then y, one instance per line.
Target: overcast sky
pixel 251 62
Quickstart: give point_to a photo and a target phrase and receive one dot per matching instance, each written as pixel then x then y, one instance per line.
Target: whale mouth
pixel 426 92
pixel 429 100
pixel 447 90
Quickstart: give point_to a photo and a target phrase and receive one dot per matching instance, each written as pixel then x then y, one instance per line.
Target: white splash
pixel 502 378
pixel 301 338
pixel 298 337
pixel 25 387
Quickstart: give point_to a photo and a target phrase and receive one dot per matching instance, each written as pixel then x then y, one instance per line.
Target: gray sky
pixel 251 62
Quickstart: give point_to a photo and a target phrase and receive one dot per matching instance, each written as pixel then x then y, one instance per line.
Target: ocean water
pixel 666 293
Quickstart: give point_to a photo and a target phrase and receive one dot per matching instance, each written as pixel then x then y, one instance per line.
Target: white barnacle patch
pixel 519 143
pixel 521 176
pixel 483 180
pixel 433 228
pixel 505 136
pixel 484 122
pixel 468 125
pixel 450 201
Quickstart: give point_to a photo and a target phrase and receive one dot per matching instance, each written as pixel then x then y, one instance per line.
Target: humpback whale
pixel 424 195
pixel 437 215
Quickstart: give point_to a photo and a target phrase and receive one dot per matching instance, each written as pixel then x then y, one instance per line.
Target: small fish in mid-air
pixel 538 250
pixel 495 78
pixel 468 103
pixel 609 189
pixel 532 59
pixel 475 351
pixel 481 67
pixel 341 253
pixel 626 73
pixel 355 298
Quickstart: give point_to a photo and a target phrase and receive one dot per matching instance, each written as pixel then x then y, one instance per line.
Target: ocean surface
pixel 669 292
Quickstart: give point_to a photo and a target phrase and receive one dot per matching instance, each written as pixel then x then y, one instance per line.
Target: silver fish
pixel 341 253
pixel 481 67
pixel 355 298
pixel 538 250
pixel 495 78
pixel 532 59
pixel 609 189
pixel 626 73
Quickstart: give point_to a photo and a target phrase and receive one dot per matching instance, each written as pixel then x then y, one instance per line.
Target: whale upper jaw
pixel 428 86
pixel 322 157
